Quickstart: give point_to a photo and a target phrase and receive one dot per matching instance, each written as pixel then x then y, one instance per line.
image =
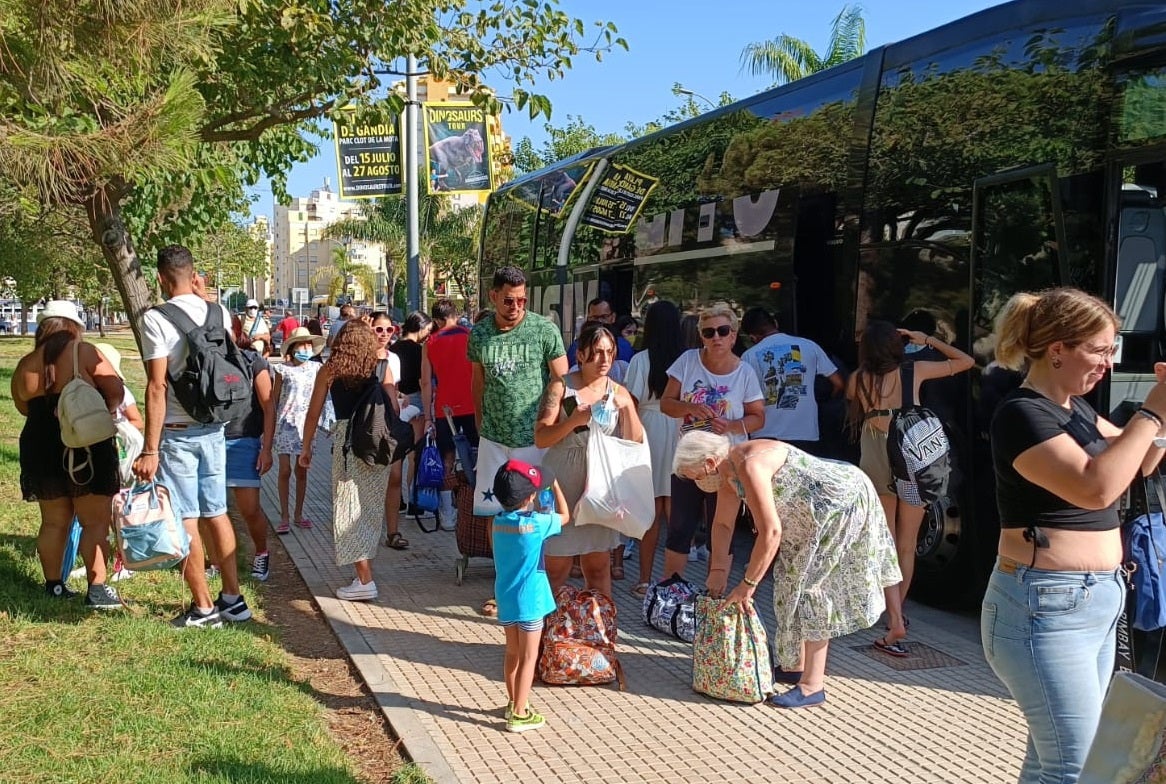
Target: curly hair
pixel 354 354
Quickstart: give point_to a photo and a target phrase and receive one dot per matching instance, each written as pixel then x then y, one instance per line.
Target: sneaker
pixel 102 597
pixel 235 612
pixel 531 721
pixel 702 553
pixel 261 566
pixel 192 618
pixel 58 590
pixel 121 574
pixel 283 527
pixel 77 573
pixel 357 591
pixel 212 572
pixel 628 548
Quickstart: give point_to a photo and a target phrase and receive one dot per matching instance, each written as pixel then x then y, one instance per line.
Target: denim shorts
pixel 1050 638
pixel 243 462
pixel 192 464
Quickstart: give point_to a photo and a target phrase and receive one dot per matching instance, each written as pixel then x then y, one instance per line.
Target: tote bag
pixel 1130 745
pixel 730 654
pixel 619 493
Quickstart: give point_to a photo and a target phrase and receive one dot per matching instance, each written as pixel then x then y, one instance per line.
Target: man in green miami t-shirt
pixel 513 355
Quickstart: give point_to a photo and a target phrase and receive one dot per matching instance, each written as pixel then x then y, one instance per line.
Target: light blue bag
pixel 72 545
pixel 148 534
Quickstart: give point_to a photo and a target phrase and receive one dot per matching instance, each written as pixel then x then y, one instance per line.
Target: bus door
pixel 1137 249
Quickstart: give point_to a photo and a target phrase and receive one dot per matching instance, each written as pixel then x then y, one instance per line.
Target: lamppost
pixel 681 90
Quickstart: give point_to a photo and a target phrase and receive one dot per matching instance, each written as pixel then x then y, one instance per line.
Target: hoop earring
pixel 1056 362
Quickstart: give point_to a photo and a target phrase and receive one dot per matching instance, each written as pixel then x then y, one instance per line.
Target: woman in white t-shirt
pixel 708 389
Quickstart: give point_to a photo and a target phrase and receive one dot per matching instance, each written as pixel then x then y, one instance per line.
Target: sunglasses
pixel 514 302
pixel 383 330
pixel 708 333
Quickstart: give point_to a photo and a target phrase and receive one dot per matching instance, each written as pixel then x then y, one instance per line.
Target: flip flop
pixel 640 590
pixel 896 649
pixel 283 527
pixel 305 523
pixel 397 542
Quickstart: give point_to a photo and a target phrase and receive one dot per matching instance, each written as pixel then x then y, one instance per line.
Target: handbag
pixel 619 493
pixel 730 653
pixel 670 607
pixel 1130 744
pixel 1144 540
pixel 130 443
pixel 149 535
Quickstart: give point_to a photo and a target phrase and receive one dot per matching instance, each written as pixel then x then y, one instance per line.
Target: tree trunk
pixel 104 211
pixel 101 317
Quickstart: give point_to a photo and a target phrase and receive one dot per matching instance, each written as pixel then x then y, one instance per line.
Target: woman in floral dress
pixel 836 552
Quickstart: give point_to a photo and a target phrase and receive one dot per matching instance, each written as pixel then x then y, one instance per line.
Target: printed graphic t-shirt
pixel 521 588
pixel 786 367
pixel 726 394
pixel 514 365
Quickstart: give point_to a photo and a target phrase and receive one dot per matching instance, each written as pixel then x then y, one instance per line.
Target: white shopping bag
pixel 491 456
pixel 619 493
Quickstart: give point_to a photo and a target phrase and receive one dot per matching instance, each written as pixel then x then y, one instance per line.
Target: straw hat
pixel 112 356
pixel 60 308
pixel 302 335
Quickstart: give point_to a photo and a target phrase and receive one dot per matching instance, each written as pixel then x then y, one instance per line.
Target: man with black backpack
pixel 196 382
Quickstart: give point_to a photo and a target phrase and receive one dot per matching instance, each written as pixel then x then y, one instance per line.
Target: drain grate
pixel 923 657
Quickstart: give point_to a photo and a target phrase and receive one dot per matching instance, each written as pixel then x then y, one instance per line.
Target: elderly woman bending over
pixel 836 553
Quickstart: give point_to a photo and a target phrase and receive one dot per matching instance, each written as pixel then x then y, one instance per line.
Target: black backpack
pixel 376 434
pixel 918 446
pixel 215 385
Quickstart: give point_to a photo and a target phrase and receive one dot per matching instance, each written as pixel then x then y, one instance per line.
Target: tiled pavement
pixel 435 664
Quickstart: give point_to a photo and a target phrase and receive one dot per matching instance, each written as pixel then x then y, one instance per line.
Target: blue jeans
pixel 192 464
pixel 1050 637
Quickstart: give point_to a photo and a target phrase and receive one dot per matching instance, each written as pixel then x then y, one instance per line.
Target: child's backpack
pixel 670 607
pixel 149 535
pixel 918 447
pixel 578 643
pixel 215 384
pixel 85 420
pixel 376 434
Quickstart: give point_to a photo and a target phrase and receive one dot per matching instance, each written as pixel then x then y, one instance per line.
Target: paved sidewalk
pixel 435 666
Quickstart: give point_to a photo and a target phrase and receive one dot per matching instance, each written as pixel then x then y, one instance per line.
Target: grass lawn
pixel 122 697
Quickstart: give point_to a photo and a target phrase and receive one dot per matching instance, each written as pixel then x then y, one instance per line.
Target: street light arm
pixel 679 89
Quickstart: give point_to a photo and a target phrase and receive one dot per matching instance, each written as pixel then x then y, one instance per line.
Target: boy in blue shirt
pixel 521 587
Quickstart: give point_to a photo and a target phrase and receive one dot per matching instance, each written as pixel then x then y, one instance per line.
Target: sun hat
pixel 517 481
pixel 252 303
pixel 112 356
pixel 302 335
pixel 59 308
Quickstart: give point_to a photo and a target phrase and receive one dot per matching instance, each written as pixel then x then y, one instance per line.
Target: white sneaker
pixel 357 591
pixel 447 513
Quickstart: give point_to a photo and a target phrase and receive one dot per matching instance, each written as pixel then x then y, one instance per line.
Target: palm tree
pixel 788 59
pixel 335 276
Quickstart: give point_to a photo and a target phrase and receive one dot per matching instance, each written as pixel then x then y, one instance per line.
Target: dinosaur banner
pixel 368 159
pixel 457 148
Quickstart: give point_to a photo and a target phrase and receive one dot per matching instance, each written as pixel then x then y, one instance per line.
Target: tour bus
pixel 1017 149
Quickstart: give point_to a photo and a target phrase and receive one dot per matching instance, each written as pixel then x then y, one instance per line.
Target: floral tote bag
pixel 730 653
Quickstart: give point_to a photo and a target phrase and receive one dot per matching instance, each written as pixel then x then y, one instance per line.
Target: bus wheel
pixel 939 535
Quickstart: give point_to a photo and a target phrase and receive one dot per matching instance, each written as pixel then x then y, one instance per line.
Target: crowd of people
pixel 731 427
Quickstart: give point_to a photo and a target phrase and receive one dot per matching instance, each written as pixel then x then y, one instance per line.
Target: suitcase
pixel 472 532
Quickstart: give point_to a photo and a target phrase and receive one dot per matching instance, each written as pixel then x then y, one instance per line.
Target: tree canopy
pixel 788 59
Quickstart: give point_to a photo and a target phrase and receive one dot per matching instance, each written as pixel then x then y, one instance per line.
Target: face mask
pixel 302 354
pixel 709 484
pixel 911 348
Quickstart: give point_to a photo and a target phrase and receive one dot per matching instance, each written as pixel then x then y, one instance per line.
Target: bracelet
pixel 146 454
pixel 1152 416
pixel 750 583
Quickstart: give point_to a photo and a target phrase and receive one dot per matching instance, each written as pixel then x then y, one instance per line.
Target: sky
pixel 697 43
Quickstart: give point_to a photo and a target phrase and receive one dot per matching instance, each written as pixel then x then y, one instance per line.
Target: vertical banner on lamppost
pixel 457 150
pixel 368 158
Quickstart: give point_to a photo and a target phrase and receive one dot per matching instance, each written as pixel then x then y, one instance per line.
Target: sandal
pixel 283 527
pixel 617 572
pixel 489 608
pixel 304 523
pixel 641 589
pixel 896 649
pixel 397 542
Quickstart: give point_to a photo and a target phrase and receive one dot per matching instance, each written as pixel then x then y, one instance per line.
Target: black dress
pixel 42 459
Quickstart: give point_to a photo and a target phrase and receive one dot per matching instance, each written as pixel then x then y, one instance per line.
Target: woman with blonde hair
pixel 358 489
pixel 708 388
pixel 1051 609
pixel 823 521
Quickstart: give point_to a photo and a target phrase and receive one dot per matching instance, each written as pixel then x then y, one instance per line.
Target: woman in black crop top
pixel 1050 612
pixel 358 489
